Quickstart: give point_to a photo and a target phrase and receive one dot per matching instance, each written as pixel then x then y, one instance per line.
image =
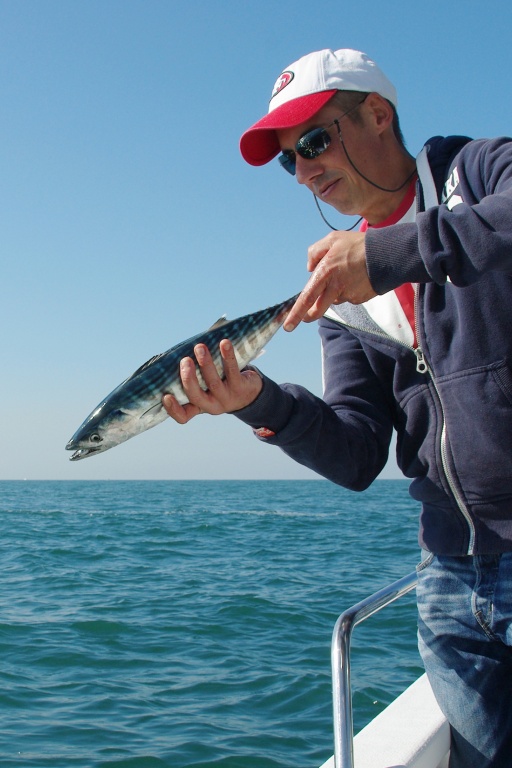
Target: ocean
pixel 188 624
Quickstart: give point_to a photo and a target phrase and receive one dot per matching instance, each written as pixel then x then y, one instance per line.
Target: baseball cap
pixel 303 88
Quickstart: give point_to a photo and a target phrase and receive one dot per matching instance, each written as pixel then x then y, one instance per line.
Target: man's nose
pixel 307 170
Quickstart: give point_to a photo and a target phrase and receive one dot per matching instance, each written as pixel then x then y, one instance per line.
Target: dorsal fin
pixel 145 365
pixel 219 323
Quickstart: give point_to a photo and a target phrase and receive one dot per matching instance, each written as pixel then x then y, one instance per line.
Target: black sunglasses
pixel 312 143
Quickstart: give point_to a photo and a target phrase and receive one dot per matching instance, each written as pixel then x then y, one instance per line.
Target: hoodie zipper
pixel 444 457
pixel 423 367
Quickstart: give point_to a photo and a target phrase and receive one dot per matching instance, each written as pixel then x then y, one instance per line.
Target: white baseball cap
pixel 304 88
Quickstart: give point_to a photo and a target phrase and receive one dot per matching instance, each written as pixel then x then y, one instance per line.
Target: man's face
pixel 330 176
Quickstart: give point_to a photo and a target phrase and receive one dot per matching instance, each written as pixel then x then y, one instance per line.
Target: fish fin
pixel 218 323
pixel 145 365
pixel 157 406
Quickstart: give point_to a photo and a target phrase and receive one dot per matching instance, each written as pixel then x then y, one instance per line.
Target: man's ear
pixel 380 111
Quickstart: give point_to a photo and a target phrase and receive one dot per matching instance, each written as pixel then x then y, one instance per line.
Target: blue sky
pixel 129 220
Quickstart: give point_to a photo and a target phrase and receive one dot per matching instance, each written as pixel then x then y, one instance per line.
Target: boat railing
pixel 340 661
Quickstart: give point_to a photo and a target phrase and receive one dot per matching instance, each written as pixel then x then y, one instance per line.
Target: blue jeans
pixel 465 640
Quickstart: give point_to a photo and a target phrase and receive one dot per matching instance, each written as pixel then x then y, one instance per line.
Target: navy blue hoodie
pixel 450 401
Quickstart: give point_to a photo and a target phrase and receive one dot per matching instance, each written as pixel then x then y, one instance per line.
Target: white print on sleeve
pixel 448 197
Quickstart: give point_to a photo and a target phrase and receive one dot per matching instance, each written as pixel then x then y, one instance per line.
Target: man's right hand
pixel 236 391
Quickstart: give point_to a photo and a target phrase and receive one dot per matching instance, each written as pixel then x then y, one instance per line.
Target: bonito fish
pixel 136 404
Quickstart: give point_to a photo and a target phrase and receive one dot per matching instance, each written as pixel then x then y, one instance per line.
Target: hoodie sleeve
pixel 461 240
pixel 344 437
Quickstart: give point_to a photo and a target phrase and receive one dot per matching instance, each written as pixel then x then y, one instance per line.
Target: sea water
pixel 188 624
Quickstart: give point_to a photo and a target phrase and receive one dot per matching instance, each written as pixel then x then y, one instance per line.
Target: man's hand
pixel 338 264
pixel 237 390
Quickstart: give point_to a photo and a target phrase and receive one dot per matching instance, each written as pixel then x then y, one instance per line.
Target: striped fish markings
pixel 136 404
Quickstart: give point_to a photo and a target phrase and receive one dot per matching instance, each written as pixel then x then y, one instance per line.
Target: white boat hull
pixel 411 732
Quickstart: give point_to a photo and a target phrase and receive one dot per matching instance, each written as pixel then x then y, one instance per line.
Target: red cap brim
pixel 259 143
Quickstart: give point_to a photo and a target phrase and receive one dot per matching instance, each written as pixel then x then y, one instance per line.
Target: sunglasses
pixel 312 143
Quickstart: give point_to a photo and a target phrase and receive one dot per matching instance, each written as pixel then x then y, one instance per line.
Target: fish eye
pixel 95 438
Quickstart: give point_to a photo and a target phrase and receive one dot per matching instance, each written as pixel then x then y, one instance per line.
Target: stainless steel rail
pixel 340 661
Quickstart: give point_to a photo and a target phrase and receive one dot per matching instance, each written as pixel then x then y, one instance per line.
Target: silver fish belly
pixel 136 404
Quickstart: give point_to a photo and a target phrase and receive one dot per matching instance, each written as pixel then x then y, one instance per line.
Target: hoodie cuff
pixel 270 412
pixel 392 257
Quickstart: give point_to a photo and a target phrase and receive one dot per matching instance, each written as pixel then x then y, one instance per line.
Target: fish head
pixel 112 422
pixel 103 429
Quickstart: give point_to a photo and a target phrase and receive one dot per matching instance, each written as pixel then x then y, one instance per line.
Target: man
pixel 415 316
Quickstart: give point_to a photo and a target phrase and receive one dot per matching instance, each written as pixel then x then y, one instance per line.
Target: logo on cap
pixel 282 81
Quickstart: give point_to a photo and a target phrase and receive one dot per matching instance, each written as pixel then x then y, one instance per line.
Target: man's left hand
pixel 338 264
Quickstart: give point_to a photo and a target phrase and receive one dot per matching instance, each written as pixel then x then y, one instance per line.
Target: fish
pixel 136 404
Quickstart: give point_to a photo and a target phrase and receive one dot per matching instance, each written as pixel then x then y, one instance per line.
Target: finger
pixel 209 372
pixel 224 391
pixel 237 383
pixel 299 311
pixel 321 306
pixel 180 413
pixel 320 292
pixel 229 361
pixel 317 251
pixel 188 375
pixel 240 387
pixel 171 405
pixel 192 386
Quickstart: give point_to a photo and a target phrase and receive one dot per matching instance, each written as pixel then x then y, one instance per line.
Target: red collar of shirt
pixel 398 213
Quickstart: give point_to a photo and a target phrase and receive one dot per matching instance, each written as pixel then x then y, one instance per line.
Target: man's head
pixel 333 116
pixel 307 86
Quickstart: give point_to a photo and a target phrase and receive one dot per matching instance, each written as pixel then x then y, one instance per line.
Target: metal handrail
pixel 340 661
